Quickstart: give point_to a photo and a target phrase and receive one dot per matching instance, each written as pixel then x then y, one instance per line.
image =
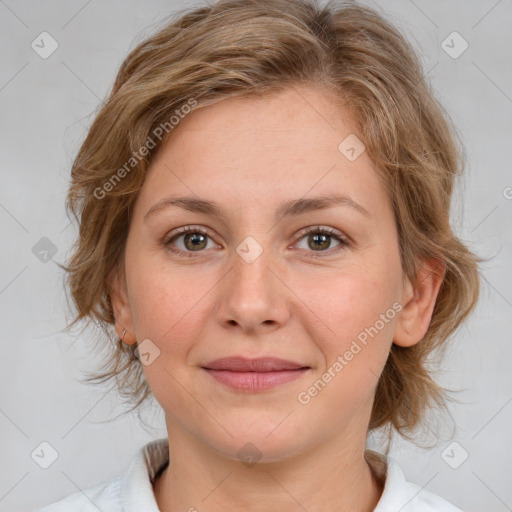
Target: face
pixel 251 281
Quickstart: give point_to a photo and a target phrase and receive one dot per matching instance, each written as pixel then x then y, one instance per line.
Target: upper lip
pixel 261 364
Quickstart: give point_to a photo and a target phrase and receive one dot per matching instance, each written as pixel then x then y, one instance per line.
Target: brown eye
pixel 319 240
pixel 188 240
pixel 193 241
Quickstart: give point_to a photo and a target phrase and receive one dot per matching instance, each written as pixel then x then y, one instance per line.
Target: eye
pixel 194 240
pixel 319 238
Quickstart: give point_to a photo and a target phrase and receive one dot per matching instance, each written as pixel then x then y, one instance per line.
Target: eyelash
pixel 319 230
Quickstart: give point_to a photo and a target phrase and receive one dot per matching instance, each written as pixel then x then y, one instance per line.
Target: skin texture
pixel 250 155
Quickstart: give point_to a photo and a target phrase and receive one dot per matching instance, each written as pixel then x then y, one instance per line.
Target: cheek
pixel 359 312
pixel 167 309
pixel 360 308
pixel 168 302
pixel 350 301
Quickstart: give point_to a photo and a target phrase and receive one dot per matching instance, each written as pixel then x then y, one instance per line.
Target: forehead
pixel 271 149
pixel 288 116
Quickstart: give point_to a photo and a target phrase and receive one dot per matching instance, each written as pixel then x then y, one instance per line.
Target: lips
pixel 262 364
pixel 254 375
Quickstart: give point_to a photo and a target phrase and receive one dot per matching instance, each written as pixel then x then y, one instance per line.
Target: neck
pixel 332 476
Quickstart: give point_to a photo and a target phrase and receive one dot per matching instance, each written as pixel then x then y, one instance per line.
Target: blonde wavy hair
pixel 258 47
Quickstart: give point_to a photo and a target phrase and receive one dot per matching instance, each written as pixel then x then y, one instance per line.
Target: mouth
pixel 254 375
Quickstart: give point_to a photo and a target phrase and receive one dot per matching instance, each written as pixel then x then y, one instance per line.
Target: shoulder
pixel 132 490
pixel 104 496
pixel 399 494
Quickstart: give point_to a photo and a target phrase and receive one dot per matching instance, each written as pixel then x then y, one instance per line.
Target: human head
pixel 256 49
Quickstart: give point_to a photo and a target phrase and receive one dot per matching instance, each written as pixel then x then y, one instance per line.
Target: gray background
pixel 47 105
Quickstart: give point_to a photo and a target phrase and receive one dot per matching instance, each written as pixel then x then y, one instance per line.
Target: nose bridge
pixel 251 274
pixel 252 292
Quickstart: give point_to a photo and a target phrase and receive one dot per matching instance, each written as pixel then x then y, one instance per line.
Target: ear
pixel 121 307
pixel 418 303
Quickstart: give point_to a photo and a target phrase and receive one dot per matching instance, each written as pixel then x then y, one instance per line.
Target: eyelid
pixel 189 228
pixel 324 229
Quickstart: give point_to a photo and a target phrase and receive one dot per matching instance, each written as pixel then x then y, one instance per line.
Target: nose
pixel 253 296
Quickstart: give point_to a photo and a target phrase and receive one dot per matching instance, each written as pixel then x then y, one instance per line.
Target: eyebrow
pixel 287 209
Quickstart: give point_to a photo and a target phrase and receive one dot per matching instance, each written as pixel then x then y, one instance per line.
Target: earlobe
pixel 121 307
pixel 418 306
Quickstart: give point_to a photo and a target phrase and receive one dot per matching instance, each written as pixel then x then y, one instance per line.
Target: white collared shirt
pixel 133 491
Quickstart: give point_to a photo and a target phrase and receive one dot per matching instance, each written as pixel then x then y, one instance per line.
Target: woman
pixel 264 218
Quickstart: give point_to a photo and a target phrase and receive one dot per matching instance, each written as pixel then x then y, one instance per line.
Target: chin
pixel 263 438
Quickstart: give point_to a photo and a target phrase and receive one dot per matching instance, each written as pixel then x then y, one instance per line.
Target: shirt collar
pixel 137 486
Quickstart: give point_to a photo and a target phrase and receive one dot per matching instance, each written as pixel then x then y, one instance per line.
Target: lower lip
pixel 255 381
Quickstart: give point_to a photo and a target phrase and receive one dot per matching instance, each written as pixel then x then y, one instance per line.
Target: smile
pixel 254 375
